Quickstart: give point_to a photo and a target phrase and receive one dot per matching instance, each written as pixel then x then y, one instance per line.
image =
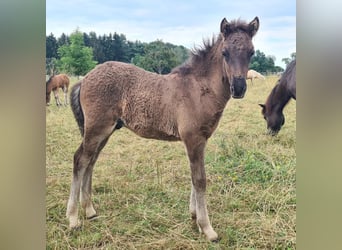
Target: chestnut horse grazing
pixel 185 105
pixel 53 84
pixel 251 74
pixel 280 95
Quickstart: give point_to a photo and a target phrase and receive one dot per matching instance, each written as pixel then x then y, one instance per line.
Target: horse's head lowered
pixel 48 91
pixel 274 119
pixel 237 50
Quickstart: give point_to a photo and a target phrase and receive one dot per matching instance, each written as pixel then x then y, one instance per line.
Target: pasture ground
pixel 141 187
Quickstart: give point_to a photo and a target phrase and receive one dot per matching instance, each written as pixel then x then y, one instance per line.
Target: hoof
pixel 93 217
pixel 216 240
pixel 211 235
pixel 76 228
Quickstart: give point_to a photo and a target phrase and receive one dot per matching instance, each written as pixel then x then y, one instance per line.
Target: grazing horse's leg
pixel 84 160
pixel 55 93
pixel 195 150
pixel 65 91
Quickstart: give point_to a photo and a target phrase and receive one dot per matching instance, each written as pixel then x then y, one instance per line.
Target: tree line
pixel 66 50
pixel 78 53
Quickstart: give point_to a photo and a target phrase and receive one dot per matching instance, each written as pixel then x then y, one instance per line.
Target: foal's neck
pixel 216 76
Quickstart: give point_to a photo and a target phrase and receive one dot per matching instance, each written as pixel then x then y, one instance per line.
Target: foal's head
pixel 237 50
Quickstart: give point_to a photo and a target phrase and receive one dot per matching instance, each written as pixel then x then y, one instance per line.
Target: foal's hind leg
pixel 55 93
pixel 198 206
pixel 86 184
pixel 65 91
pixel 78 172
pixel 84 160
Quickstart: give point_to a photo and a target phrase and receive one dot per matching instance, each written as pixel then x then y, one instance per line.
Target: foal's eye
pixel 225 53
pixel 251 53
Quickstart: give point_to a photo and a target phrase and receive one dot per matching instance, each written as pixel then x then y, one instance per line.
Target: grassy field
pixel 141 187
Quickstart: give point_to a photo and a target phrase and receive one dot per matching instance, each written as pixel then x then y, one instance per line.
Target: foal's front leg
pixel 198 206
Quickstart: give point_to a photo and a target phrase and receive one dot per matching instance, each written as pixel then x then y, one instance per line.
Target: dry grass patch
pixel 141 187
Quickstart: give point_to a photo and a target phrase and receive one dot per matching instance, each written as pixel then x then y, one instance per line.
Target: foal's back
pixel 143 100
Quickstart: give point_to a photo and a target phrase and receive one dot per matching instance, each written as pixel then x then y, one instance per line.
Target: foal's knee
pixel 199 184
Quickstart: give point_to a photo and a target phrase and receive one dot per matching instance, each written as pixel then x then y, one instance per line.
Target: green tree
pixel 51 54
pixel 182 53
pixel 51 66
pixel 158 57
pixel 63 40
pixel 135 48
pixel 76 58
pixel 51 46
pixel 120 48
pixel 262 63
pixel 288 60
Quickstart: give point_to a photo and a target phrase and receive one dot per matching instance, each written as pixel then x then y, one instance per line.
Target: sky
pixel 180 22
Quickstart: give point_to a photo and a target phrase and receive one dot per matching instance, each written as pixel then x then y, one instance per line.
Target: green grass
pixel 141 187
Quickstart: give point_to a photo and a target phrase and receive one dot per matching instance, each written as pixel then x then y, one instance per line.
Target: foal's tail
pixel 76 106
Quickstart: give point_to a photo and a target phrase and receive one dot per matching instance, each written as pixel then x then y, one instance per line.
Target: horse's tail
pixel 76 106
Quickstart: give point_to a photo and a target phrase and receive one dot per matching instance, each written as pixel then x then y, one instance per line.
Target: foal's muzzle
pixel 238 87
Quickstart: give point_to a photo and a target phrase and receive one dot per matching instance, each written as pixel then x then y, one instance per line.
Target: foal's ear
pixel 262 105
pixel 253 26
pixel 224 25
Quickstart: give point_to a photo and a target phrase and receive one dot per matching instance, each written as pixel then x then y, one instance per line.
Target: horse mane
pixel 199 55
pixel 48 81
pixel 270 102
pixel 289 69
pixel 274 97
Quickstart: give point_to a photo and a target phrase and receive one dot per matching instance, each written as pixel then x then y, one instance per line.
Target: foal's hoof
pixel 211 235
pixel 74 223
pixel 93 217
pixel 217 240
pixel 76 228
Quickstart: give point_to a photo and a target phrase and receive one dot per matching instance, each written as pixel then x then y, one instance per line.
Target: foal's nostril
pixel 238 87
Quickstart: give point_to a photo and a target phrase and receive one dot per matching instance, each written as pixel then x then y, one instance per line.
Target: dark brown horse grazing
pixel 185 105
pixel 53 84
pixel 280 95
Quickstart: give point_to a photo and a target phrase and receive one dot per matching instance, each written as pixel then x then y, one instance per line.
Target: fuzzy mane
pixel 199 55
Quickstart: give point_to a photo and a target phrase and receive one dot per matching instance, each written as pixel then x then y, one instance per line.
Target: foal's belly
pixel 154 133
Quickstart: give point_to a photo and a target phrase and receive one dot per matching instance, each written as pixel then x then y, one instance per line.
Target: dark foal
pixel 185 105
